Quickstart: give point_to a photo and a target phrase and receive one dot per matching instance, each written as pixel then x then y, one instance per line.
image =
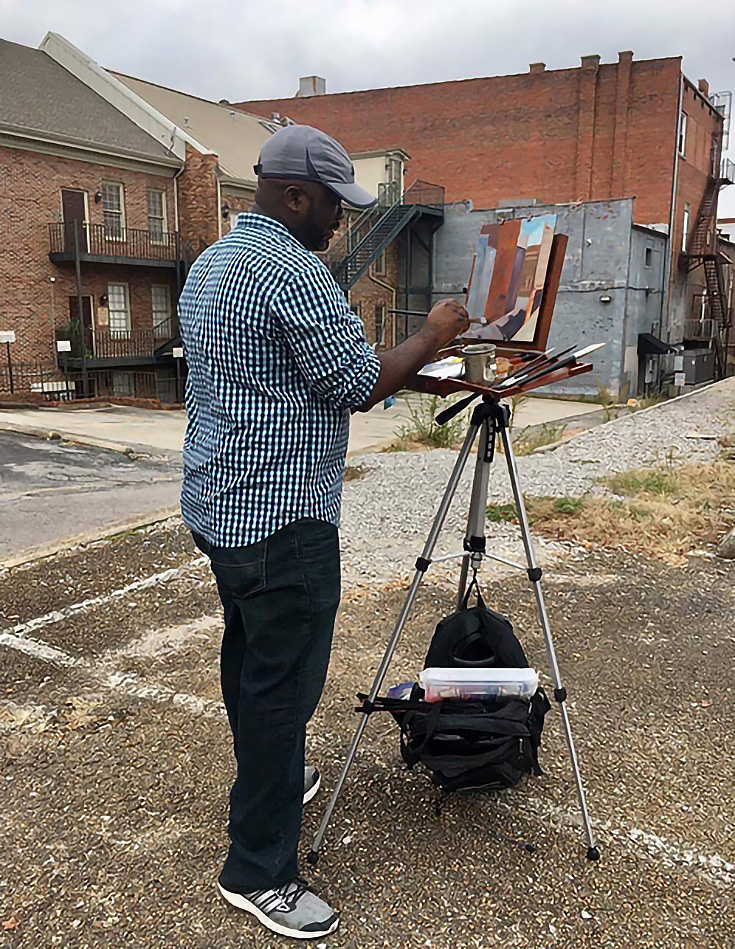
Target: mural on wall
pixel 508 276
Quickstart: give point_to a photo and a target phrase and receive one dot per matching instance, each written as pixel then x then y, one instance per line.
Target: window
pixel 113 205
pixel 380 324
pixel 356 309
pixel 682 132
pixel 685 234
pixel 119 304
pixel 161 305
pixel 649 256
pixel 379 265
pixel 157 226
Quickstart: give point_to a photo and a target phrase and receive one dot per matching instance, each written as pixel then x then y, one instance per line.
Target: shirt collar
pixel 262 222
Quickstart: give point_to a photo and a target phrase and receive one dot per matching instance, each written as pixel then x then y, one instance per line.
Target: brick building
pixel 89 217
pixel 142 178
pixel 600 131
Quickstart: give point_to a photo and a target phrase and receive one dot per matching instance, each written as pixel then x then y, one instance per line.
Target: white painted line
pixel 672 854
pixel 57 615
pixel 124 683
pixel 39 650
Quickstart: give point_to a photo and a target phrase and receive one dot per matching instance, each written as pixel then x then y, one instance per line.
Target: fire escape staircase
pixel 702 250
pixel 376 228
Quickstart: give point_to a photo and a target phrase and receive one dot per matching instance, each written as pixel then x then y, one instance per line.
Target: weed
pixel 497 513
pixel 422 431
pixel 567 505
pixel 354 472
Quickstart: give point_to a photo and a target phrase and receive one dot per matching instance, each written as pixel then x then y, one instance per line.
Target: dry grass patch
pixel 665 512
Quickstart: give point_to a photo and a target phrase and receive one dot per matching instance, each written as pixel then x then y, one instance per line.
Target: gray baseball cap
pixel 305 153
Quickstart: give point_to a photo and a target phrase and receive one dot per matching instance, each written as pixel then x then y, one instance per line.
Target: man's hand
pixel 447 320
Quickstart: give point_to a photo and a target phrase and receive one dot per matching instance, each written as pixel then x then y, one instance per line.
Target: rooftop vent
pixel 311 86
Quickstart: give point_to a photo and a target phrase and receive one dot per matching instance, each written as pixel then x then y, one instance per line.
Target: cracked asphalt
pixel 117 764
pixel 53 490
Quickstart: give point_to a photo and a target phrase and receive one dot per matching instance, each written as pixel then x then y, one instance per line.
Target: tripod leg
pixel 475 537
pixel 560 693
pixel 422 565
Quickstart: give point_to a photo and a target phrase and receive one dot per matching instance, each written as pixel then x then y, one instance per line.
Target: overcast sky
pixel 250 49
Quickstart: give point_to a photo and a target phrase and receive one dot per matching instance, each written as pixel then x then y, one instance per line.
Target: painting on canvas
pixel 508 277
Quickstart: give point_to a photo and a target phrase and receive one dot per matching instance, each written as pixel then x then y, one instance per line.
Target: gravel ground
pixel 387 513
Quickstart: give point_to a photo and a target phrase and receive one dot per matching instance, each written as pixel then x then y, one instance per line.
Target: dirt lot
pixel 117 765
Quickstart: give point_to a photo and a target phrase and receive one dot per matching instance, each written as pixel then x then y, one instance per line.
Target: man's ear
pixel 295 198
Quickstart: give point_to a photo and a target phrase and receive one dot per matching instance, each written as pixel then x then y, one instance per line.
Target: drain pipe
pixel 666 295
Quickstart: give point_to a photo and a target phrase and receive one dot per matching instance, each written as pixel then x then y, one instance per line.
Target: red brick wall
pixel 367 292
pixel 30 303
pixel 591 133
pixel 199 209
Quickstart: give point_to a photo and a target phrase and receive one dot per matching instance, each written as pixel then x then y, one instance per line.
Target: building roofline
pixel 104 83
pixel 698 92
pixel 442 82
pixel 98 148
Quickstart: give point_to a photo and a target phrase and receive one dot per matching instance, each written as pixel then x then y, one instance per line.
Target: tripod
pixel 489 419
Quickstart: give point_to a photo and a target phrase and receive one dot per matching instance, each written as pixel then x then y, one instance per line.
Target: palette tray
pixel 444 387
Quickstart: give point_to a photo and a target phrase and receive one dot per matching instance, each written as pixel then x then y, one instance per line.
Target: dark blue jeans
pixel 280 598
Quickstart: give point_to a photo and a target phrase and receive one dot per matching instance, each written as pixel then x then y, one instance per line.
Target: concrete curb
pixel 60 435
pixel 32 554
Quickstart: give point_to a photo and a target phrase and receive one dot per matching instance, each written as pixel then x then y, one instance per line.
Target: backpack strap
pixel 466 598
pixel 412 754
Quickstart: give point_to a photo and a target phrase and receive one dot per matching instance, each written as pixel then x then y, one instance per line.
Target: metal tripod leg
pixel 534 575
pixel 422 565
pixel 474 541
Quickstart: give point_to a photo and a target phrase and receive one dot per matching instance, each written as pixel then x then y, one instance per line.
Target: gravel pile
pixel 387 513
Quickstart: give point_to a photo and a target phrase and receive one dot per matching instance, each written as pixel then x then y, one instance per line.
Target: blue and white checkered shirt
pixel 276 360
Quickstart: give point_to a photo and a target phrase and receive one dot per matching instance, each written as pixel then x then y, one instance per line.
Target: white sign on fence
pixel 7 336
pixel 680 379
pixel 63 345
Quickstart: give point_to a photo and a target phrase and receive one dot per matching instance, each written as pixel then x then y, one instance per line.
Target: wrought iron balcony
pixel 101 243
pixel 104 346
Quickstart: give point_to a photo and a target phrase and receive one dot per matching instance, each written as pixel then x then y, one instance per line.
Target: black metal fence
pixel 102 240
pixel 44 383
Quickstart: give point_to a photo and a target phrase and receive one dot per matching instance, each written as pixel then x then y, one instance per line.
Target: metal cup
pixel 479 363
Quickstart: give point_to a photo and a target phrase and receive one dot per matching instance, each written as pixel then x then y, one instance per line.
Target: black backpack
pixel 474 744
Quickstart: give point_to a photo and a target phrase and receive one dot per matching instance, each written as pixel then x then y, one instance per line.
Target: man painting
pixel 276 364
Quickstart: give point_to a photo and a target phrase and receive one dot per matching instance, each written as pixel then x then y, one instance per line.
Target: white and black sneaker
pixel 290 910
pixel 312 780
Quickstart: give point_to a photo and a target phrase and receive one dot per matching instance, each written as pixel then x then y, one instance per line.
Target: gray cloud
pixel 248 49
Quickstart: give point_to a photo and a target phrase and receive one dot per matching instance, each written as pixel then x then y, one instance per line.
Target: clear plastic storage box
pixel 461 683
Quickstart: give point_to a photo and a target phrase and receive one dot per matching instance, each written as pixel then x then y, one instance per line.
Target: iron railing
pixel 45 383
pixel 700 329
pixel 423 192
pixel 120 344
pixel 727 170
pixel 102 240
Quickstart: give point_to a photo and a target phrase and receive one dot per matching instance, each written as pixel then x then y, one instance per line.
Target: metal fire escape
pixel 376 228
pixel 702 251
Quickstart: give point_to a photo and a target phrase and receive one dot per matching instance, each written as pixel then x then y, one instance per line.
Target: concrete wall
pixel 605 257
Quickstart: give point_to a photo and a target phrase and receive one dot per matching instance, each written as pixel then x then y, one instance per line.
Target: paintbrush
pixel 555 364
pixel 538 361
pixel 425 313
